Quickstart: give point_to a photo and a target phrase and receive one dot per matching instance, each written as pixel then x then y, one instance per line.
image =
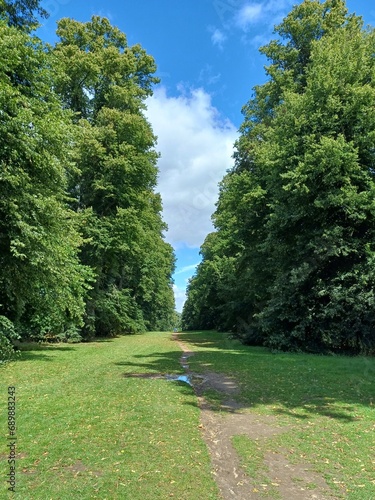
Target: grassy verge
pixel 84 430
pixel 326 402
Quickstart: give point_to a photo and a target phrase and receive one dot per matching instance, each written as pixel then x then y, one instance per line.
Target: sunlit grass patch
pixel 325 404
pixel 252 458
pixel 86 430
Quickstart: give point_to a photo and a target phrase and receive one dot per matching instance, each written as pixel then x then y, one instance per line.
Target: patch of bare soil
pixel 79 467
pixel 288 481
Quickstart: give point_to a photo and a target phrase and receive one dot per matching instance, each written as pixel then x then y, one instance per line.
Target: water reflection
pixel 179 378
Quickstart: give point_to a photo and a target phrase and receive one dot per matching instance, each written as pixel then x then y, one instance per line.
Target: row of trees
pixel 81 235
pixel 292 262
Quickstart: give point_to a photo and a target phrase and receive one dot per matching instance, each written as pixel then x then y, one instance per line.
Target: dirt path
pixel 287 481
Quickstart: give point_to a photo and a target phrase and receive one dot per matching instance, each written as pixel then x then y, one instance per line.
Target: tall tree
pixel 42 283
pixel 105 82
pixel 297 210
pixel 320 230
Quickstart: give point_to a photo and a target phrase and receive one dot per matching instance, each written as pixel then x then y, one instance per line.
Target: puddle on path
pixel 218 429
pixel 179 378
pixel 191 379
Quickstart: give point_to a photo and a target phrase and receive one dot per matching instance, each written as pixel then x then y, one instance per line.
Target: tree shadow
pixel 165 362
pixel 99 340
pixel 296 385
pixel 47 351
pixel 31 346
pixel 29 351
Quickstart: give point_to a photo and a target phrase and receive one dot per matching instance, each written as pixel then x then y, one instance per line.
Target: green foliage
pixel 209 289
pixel 7 335
pixel 71 398
pixel 176 321
pixel 100 69
pixel 105 82
pixel 22 13
pixel 81 234
pixel 42 283
pixel 117 312
pixel 296 214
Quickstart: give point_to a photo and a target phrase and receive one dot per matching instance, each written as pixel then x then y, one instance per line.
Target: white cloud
pixel 256 18
pixel 196 146
pixel 208 77
pixel 180 297
pixel 249 14
pixel 217 37
pixel 187 269
pixel 259 40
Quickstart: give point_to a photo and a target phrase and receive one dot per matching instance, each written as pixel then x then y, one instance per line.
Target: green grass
pixel 253 461
pixel 327 402
pixel 86 431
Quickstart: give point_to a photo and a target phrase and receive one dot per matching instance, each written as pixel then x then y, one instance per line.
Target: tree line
pixel 291 264
pixel 82 251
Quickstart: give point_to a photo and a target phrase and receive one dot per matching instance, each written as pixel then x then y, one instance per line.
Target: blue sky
pixel 208 62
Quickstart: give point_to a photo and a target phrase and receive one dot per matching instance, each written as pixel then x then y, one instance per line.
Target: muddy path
pixel 284 480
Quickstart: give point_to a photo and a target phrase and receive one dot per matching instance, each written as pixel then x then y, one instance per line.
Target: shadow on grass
pixel 44 347
pixel 163 364
pixel 35 356
pixel 297 385
pixel 99 340
pixel 45 351
pixel 40 351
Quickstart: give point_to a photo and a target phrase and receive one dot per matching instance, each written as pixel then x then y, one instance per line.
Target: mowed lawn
pixel 85 430
pixel 326 403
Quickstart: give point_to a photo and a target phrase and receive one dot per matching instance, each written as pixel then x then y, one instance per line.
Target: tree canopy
pixel 42 280
pixel 22 14
pixel 82 250
pixel 295 216
pixel 105 82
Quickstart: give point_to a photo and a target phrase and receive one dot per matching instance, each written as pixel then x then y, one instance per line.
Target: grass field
pixel 85 430
pixel 327 404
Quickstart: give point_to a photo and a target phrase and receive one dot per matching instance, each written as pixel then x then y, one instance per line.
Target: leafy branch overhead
pixel 22 14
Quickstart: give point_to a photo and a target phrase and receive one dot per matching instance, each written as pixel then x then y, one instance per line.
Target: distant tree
pixel 209 289
pixel 176 324
pixel 296 212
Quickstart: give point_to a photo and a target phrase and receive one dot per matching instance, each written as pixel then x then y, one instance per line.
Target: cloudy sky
pixel 208 62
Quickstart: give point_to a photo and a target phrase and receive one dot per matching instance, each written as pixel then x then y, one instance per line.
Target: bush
pixel 7 334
